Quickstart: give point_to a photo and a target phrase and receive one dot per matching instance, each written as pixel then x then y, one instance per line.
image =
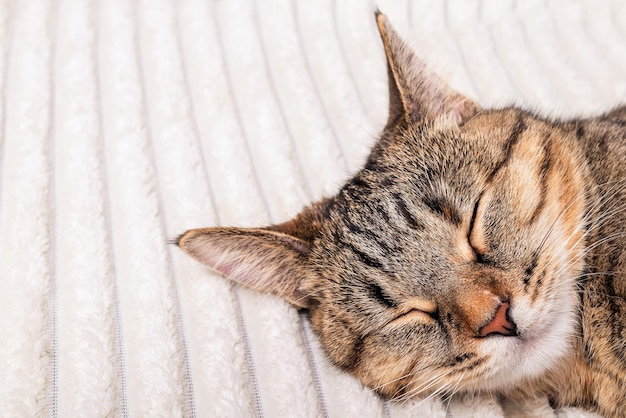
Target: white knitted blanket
pixel 124 123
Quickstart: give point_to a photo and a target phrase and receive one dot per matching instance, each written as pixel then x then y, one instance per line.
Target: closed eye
pixel 432 315
pixel 414 316
pixel 416 310
pixel 473 222
pixel 412 309
pixel 472 235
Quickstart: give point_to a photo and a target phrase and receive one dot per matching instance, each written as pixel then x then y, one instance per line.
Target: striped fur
pixel 462 219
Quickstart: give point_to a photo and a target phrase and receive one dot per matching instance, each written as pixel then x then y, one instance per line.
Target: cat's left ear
pixel 270 260
pixel 415 92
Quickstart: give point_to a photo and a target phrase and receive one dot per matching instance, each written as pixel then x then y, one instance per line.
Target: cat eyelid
pixel 472 223
pixel 416 309
pixel 472 232
pixel 414 315
pixel 411 308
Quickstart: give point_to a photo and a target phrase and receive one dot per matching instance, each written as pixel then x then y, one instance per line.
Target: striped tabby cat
pixel 479 250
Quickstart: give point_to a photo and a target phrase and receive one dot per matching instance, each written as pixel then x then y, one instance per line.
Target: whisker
pixel 431 382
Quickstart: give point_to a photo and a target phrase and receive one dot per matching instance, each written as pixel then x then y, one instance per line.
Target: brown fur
pixel 462 220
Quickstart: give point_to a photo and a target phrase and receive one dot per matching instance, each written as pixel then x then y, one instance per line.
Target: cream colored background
pixel 124 123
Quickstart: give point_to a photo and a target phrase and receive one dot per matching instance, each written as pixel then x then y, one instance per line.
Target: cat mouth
pixel 539 345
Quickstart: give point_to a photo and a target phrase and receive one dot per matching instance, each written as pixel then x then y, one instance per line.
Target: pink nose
pixel 501 323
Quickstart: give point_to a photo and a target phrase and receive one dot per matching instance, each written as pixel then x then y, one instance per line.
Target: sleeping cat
pixel 479 250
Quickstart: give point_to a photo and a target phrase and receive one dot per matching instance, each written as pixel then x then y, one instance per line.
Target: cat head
pixel 446 263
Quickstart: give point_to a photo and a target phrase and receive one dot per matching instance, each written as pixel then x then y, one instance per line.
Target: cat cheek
pixel 388 364
pixel 342 343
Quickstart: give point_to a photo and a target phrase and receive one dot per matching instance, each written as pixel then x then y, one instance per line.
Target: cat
pixel 478 250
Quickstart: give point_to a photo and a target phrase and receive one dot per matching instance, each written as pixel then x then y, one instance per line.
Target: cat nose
pixel 501 323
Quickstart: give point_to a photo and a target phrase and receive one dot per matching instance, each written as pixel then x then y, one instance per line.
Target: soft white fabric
pixel 124 123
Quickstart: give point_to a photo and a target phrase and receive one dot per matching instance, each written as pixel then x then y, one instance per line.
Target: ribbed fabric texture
pixel 124 123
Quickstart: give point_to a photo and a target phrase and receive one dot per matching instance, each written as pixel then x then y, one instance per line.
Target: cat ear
pixel 264 259
pixel 415 92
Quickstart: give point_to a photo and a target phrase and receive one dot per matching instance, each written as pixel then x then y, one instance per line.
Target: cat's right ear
pixel 415 92
pixel 270 260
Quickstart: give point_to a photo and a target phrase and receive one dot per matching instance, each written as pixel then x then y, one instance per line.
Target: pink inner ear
pixel 267 261
pixel 225 268
pixel 240 275
pixel 233 269
pixel 221 263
